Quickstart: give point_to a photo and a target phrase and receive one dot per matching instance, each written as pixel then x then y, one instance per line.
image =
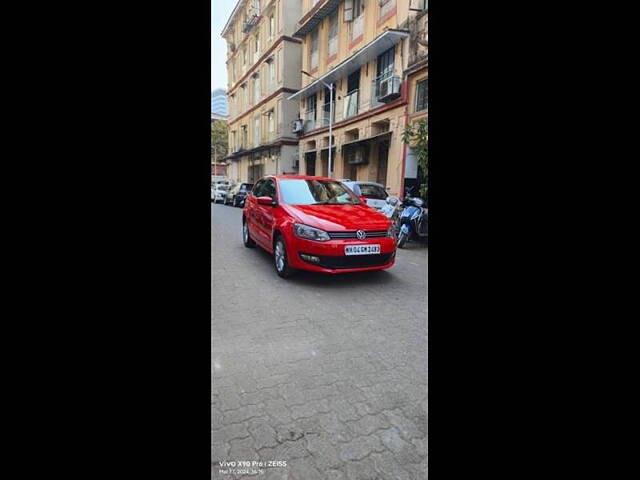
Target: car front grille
pixel 335 262
pixel 370 234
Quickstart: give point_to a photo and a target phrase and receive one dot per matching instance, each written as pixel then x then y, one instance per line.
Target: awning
pixel 366 54
pixel 353 143
pixel 309 24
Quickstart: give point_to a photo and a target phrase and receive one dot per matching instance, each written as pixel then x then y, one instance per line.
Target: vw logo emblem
pixel 361 234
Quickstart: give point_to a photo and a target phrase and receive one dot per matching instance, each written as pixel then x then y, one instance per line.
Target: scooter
pixel 391 210
pixel 413 220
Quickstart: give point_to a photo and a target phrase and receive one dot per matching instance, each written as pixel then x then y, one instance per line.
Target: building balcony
pixel 310 120
pixel 351 104
pixel 326 112
pixel 314 12
pixel 366 54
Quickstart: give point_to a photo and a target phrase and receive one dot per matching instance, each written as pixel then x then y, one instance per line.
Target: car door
pixel 251 208
pixel 267 211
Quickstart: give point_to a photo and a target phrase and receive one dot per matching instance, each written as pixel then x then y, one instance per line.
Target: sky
pixel 220 11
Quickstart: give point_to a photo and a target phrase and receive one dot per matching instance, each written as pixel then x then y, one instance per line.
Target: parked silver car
pixel 374 193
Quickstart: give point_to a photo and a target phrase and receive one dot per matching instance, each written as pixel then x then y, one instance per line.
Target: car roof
pixel 301 177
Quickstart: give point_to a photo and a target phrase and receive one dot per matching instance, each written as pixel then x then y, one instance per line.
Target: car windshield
pixel 246 186
pixel 372 191
pixel 316 192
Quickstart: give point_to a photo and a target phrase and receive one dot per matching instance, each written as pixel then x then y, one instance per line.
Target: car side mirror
pixel 363 199
pixel 266 201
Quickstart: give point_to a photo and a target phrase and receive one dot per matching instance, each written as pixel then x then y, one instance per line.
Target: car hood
pixel 335 218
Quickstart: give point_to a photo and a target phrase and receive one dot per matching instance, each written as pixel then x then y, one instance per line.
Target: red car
pixel 317 224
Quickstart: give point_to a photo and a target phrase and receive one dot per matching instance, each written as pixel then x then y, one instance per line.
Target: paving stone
pixel 230 432
pixel 338 431
pixel 310 408
pixel 362 470
pixel 303 469
pixel 242 414
pixel 388 469
pixel 404 451
pixel 360 447
pixel 277 409
pixel 407 428
pixel 325 455
pixel 263 434
pixel 218 452
pixel 242 449
pixel 368 424
pixel 344 409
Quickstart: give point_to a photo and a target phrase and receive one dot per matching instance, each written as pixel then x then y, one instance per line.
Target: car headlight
pixel 390 232
pixel 310 233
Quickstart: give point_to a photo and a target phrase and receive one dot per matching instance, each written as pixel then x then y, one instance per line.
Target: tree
pixel 416 135
pixel 219 139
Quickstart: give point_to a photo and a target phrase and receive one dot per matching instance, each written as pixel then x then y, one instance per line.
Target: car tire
pixel 246 238
pixel 402 239
pixel 235 201
pixel 280 259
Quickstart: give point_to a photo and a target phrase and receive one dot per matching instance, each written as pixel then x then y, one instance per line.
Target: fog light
pixel 309 258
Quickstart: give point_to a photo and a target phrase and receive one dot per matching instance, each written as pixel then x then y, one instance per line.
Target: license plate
pixel 361 249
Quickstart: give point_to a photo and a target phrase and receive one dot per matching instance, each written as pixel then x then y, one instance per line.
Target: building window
pixel 313 58
pixel 272 73
pixel 385 7
pixel 333 33
pixel 256 131
pixel 245 96
pixel 257 53
pixel 256 89
pixel 271 122
pixel 422 98
pixel 272 27
pixel 357 25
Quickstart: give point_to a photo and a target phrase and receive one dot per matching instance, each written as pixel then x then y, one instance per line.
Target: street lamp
pixel 330 87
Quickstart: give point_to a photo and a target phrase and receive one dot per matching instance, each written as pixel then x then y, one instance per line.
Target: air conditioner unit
pixel 298 126
pixel 389 89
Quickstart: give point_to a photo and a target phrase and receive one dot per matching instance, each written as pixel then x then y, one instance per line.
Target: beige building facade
pixel 263 70
pixel 361 48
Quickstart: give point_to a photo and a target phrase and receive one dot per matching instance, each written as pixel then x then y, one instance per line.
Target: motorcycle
pixel 391 210
pixel 413 220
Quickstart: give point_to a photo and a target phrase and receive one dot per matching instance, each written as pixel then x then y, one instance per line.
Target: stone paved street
pixel 327 373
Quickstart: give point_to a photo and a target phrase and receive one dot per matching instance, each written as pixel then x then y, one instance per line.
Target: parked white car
pixel 375 193
pixel 218 193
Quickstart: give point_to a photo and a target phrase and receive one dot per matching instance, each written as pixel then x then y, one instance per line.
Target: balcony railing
pixel 351 104
pixel 325 114
pixel 309 120
pixel 357 27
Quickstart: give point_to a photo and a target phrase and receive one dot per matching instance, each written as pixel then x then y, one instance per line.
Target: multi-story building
pixel 360 48
pixel 416 79
pixel 263 69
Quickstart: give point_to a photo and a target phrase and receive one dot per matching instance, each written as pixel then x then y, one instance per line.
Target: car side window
pixel 257 189
pixel 269 189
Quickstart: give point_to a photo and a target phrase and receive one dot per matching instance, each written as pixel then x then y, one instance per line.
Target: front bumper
pixel 333 260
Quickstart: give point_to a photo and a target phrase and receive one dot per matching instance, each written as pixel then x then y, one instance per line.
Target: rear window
pixel 373 191
pixel 246 186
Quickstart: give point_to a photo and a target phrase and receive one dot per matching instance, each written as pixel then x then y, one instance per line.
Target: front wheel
pixel 246 238
pixel 280 259
pixel 402 239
